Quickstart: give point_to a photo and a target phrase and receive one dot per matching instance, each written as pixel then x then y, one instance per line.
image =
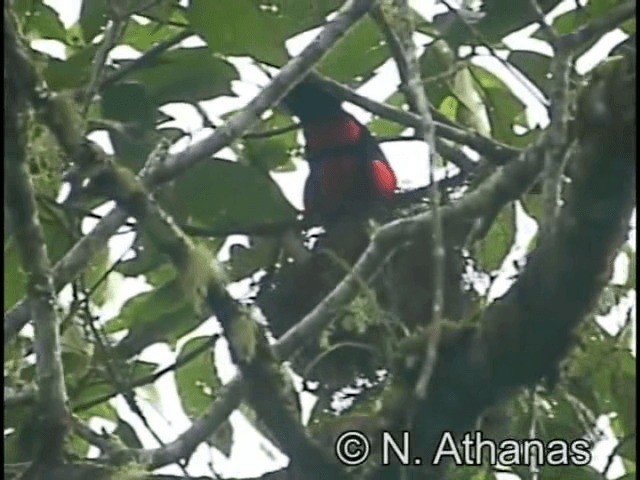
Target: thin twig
pixel 410 74
pixel 145 59
pixel 112 36
pixel 555 158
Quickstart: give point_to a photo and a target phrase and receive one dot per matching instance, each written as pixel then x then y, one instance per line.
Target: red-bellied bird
pixel 348 170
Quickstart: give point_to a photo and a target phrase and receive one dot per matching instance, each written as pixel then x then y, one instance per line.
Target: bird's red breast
pixel 339 132
pixel 347 167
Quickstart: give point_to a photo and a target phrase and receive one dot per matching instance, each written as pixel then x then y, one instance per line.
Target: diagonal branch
pixel 495 152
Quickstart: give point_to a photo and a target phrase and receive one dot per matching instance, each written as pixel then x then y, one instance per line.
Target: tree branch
pixel 495 152
pixel 32 250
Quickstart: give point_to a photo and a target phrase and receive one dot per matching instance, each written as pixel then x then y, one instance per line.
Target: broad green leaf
pixel 272 153
pixel 492 250
pixel 197 380
pixel 94 15
pixel 127 434
pixel 227 194
pixel 535 66
pixel 15 280
pixel 239 28
pixel 145 308
pixel 185 75
pixel 70 73
pixel 565 472
pixel 222 438
pixel 623 389
pixel 128 103
pixel 94 276
pixel 358 53
pixel 255 28
pixel 474 113
pixel 157 325
pixel 143 37
pixel 40 21
pixel 383 127
pixel 504 108
pixel 159 10
pixel 246 261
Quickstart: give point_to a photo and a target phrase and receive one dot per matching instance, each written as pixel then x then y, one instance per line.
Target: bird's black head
pixel 309 102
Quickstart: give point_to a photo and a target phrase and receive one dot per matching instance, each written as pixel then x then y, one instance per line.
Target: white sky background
pixel 162 407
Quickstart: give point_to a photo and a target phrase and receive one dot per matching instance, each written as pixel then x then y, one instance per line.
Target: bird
pixel 348 172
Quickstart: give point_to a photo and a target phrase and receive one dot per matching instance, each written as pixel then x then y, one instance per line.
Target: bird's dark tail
pixel 309 102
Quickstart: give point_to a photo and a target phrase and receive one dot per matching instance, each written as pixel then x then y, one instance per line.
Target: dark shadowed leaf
pixel 72 72
pixel 127 434
pixel 186 75
pixel 94 15
pixel 225 194
pixel 535 66
pixel 359 52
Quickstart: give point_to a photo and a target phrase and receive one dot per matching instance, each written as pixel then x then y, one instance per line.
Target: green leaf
pixel 93 18
pixel 15 280
pixel 246 29
pixel 624 397
pixel 222 438
pixel 161 315
pixel 128 103
pixel 185 75
pixel 631 276
pixel 492 250
pixel 127 434
pixel 145 308
pixel 535 66
pixel 357 54
pixel 159 10
pixel 95 273
pixel 504 108
pixel 272 153
pixel 197 380
pixel 70 73
pixel 142 37
pixel 227 194
pixel 383 127
pixel 437 59
pixel 246 261
pixel 41 21
pixel 565 472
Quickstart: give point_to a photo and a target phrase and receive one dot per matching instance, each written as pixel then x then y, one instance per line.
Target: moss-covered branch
pixel 20 200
